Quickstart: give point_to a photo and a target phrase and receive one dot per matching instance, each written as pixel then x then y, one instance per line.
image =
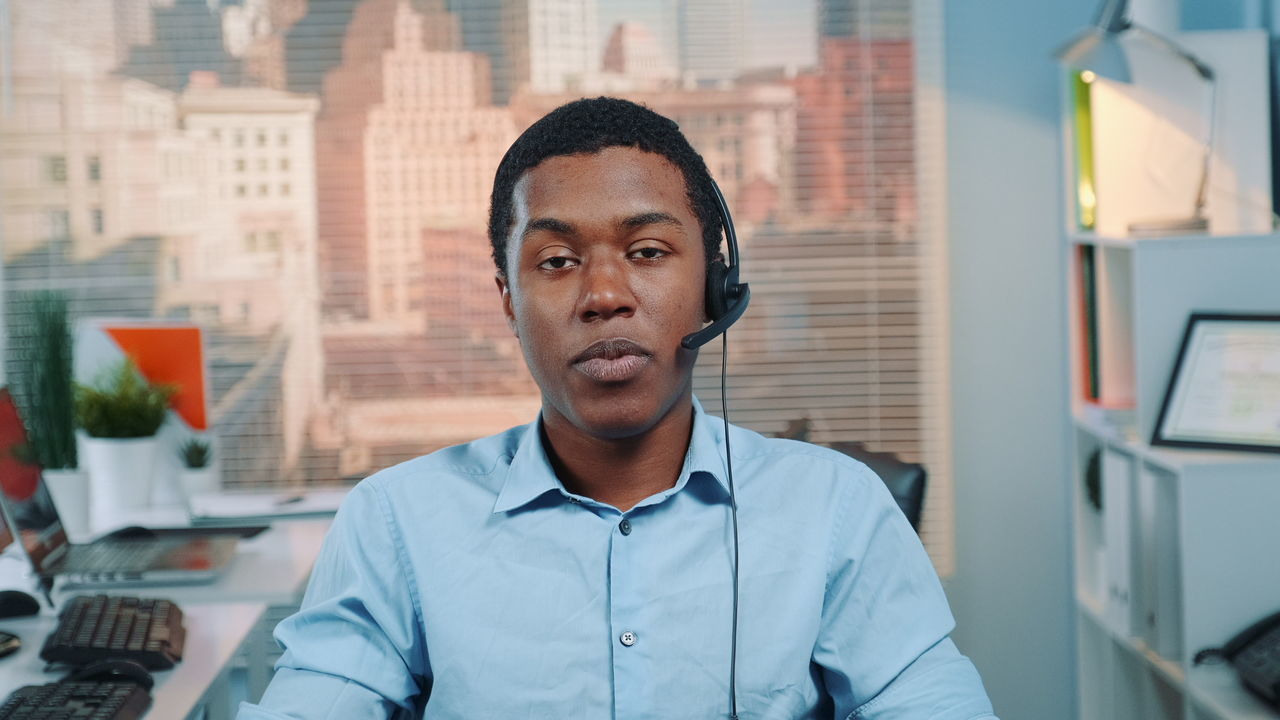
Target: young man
pixel 581 566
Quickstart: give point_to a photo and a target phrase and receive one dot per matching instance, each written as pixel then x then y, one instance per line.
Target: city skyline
pixel 311 184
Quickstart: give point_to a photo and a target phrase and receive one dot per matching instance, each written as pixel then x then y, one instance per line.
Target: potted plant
pixel 120 415
pixel 44 393
pixel 198 474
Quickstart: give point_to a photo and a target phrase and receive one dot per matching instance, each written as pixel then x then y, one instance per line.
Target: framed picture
pixel 1224 393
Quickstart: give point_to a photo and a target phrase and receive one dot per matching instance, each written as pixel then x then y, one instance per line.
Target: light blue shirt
pixel 471 582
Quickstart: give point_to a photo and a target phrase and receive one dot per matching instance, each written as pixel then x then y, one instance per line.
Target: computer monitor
pixel 26 500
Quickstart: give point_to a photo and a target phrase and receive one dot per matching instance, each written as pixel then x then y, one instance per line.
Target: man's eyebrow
pixel 650 218
pixel 546 223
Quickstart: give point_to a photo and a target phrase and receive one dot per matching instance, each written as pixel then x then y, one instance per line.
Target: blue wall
pixel 1012 591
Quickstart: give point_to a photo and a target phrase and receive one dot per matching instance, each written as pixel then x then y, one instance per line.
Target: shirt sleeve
pixel 355 649
pixel 884 646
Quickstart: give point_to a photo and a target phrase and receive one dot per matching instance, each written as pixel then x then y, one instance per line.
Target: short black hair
pixel 588 126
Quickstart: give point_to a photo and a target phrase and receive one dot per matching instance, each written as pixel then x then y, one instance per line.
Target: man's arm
pixel 884 645
pixel 355 649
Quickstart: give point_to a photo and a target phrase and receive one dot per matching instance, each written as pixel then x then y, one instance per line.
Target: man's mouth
pixel 613 360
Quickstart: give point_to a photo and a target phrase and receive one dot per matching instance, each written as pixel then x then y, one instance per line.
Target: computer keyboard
pixel 80 700
pixel 94 627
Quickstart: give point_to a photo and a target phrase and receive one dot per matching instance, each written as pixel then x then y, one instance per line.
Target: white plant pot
pixel 70 492
pixel 120 472
pixel 200 481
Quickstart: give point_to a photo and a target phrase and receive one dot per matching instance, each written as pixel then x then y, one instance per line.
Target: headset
pixel 726 301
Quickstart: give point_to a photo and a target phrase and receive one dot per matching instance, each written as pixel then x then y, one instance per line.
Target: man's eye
pixel 651 253
pixel 556 263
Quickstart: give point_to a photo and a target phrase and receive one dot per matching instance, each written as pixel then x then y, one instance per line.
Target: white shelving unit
pixel 1185 549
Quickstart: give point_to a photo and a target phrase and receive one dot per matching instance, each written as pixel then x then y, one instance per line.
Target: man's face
pixel 605 274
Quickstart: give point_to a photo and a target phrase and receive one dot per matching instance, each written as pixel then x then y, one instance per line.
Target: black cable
pixel 733 509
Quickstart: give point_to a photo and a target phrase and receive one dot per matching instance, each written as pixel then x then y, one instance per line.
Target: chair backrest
pixel 906 481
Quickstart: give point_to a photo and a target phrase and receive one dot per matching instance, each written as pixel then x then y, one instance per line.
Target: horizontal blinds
pixel 309 179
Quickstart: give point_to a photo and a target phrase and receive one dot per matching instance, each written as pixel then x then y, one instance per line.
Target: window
pixel 59 222
pixel 56 168
pixel 95 169
pixel 824 170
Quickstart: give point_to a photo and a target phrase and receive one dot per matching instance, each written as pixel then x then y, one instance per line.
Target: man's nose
pixel 606 291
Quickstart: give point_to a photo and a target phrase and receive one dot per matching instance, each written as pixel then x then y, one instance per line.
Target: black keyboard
pixel 70 699
pixel 94 627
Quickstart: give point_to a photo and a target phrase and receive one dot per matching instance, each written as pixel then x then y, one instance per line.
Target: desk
pixel 272 568
pixel 195 687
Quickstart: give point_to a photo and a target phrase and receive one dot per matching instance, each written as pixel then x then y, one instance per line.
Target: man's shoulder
pixel 759 450
pixel 471 463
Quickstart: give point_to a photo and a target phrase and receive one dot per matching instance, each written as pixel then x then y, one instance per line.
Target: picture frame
pixel 1224 391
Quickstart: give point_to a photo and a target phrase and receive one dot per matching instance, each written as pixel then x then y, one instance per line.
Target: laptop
pixel 154 559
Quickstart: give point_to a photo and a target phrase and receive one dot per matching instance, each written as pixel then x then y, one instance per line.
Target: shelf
pixel 1131 241
pixel 1170 670
pixel 1216 690
pixel 1170 458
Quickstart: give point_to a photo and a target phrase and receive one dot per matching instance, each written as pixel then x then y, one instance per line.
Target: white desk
pixel 195 687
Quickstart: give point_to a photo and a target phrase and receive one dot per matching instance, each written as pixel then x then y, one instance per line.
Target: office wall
pixel 1011 592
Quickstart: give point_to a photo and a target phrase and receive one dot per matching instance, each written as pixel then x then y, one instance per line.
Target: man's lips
pixel 612 360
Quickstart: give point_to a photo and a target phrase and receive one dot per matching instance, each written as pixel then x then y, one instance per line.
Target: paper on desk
pixel 256 504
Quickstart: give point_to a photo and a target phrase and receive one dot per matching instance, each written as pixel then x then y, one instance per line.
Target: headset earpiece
pixel 717 289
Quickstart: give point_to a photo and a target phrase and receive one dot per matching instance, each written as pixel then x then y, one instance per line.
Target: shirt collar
pixel 530 474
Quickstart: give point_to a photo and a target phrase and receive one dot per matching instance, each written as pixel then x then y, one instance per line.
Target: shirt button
pixel 625 526
pixel 628 638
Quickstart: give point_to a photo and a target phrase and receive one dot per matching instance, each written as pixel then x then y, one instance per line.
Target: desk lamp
pixel 1097 49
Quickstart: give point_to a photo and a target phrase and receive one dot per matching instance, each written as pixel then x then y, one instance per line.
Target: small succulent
pixel 196 453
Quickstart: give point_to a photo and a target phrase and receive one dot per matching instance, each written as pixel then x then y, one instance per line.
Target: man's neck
pixel 621 472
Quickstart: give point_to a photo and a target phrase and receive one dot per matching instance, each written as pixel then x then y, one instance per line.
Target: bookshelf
pixel 1174 550
pixel 1184 550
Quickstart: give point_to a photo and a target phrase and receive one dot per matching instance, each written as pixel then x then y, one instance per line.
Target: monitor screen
pixel 27 502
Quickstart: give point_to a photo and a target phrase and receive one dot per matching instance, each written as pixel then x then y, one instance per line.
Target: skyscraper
pixel 406 141
pixel 542 45
pixel 879 19
pixel 710 34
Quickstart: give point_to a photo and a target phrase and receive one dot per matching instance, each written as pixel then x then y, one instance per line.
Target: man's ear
pixel 500 278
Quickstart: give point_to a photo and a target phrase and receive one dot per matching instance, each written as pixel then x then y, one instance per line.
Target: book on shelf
pixel 1088 314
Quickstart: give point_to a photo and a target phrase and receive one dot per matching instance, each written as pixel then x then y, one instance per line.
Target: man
pixel 582 566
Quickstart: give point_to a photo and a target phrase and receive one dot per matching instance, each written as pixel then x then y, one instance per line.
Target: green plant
pixel 43 387
pixel 195 453
pixel 122 404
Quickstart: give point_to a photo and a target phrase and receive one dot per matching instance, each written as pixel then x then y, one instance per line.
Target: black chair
pixel 905 480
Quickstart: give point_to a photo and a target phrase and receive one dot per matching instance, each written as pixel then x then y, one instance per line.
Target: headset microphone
pixel 726 301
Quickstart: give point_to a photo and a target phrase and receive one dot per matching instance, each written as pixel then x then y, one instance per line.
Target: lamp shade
pixel 1098 51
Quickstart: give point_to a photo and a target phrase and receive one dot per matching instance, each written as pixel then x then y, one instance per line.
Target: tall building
pixel 867 19
pixel 57 38
pixel 855 153
pixel 633 50
pixel 253 270
pixel 407 141
pixel 711 34
pixel 542 45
